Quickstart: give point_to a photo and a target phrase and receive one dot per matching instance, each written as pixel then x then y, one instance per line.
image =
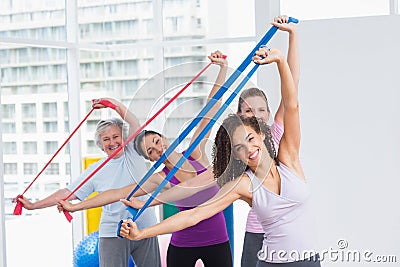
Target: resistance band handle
pixel 293 20
pixel 18 207
pixel 68 215
pixel 132 211
pixel 119 227
pixel 103 102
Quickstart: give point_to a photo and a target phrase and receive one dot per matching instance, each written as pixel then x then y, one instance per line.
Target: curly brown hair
pixel 226 167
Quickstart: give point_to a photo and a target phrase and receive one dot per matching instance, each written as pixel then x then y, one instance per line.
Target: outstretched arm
pixel 293 57
pixel 217 58
pixel 236 189
pixel 112 195
pixel 49 201
pixel 178 192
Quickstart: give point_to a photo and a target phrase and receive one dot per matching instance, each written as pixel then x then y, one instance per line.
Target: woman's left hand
pixel 65 205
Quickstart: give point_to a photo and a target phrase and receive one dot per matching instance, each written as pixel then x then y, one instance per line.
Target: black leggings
pixel 212 256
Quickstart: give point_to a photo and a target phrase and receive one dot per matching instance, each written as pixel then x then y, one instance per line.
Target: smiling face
pixel 255 106
pixel 248 146
pixel 154 146
pixel 111 139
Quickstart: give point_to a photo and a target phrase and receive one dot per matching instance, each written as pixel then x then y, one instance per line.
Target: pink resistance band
pixel 130 138
pixel 18 207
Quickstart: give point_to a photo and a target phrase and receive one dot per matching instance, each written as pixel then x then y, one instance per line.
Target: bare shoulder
pixel 244 188
pixel 240 185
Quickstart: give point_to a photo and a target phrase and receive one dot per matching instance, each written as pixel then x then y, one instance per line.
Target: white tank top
pixel 287 219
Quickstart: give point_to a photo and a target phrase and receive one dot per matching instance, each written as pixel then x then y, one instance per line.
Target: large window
pixel 33 89
pixel 39 20
pixel 207 19
pixel 123 48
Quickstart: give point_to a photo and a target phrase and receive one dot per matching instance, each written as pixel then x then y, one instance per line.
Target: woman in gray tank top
pixel 247 167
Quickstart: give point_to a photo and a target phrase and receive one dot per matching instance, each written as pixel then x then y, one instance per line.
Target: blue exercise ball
pixel 86 252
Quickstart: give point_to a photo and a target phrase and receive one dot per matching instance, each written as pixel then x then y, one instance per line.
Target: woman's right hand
pixel 129 230
pixel 25 203
pixel 218 58
pixel 134 203
pixel 96 103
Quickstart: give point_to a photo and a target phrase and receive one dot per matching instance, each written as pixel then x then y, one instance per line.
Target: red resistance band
pixel 130 138
pixel 18 207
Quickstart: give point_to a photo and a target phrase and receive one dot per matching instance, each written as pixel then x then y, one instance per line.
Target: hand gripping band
pixel 104 102
pixel 18 207
pixel 135 212
pixel 119 227
pixel 130 138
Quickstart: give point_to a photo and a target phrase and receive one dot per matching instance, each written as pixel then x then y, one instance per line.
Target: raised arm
pixel 236 189
pixel 217 58
pixel 293 57
pixel 178 192
pixel 290 143
pixel 123 112
pixel 112 195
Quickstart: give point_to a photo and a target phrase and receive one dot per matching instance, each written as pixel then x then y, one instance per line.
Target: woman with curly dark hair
pixel 248 168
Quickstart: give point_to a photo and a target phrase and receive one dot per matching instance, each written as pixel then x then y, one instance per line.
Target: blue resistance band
pixel 266 38
pixel 194 144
